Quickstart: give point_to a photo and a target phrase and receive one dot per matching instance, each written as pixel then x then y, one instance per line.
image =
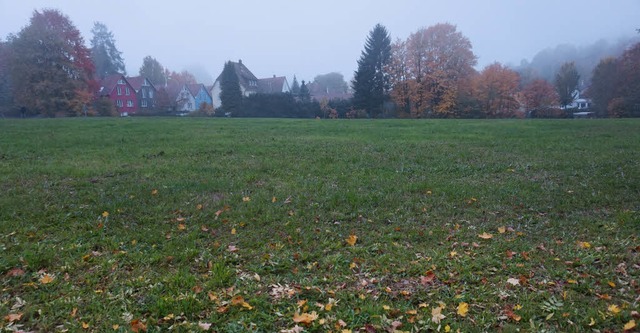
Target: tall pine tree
pixel 106 57
pixel 230 94
pixel 371 83
pixel 295 87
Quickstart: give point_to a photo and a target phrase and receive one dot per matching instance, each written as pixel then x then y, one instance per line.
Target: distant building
pixel 250 84
pixel 145 92
pixel 119 90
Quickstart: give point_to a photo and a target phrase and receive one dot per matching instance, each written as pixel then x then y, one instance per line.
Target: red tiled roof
pixel 109 83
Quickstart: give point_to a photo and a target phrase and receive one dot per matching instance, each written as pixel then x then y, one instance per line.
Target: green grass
pixel 237 222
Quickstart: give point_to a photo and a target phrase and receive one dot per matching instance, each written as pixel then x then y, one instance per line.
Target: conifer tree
pixel 295 87
pixel 305 94
pixel 370 82
pixel 230 94
pixel 106 57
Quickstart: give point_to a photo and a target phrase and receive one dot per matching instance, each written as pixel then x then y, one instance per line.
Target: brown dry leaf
pixel 199 207
pixel 239 301
pixel 352 239
pixel 85 325
pixel 436 315
pixel 246 199
pixel 182 226
pixel 138 326
pixel 485 235
pixel 13 317
pixel 46 279
pixel 305 318
pixel 154 192
pixel 15 272
pixel 74 312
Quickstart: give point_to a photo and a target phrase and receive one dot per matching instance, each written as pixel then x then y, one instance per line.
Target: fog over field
pixel 310 38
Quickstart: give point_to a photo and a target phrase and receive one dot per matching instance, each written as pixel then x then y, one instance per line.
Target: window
pixel 121 81
pixel 144 103
pixel 127 91
pixel 119 103
pixel 119 91
pixel 130 103
pixel 144 92
pixel 150 93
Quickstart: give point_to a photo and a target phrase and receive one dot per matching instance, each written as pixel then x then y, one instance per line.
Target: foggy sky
pixel 307 38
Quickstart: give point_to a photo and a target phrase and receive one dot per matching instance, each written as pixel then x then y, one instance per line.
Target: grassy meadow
pixel 274 225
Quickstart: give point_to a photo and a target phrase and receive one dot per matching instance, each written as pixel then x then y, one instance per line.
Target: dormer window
pixel 121 81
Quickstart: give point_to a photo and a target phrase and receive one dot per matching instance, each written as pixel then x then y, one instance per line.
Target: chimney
pixel 240 61
pixel 274 76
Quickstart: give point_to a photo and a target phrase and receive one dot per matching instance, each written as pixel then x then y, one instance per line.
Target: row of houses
pixel 133 94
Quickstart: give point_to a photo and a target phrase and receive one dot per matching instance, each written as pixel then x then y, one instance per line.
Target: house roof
pixel 137 81
pixel 244 76
pixel 272 85
pixel 194 88
pixel 109 83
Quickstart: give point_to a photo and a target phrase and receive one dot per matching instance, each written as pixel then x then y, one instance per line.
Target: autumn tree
pixel 437 63
pixel 566 83
pixel 52 70
pixel 627 101
pixel 153 70
pixel 540 99
pixel 230 94
pixel 6 87
pixel 603 84
pixel 401 86
pixel 495 88
pixel 184 77
pixel 106 57
pixel 371 82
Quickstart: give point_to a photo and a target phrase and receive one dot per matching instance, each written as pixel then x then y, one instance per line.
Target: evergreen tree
pixel 153 70
pixel 295 87
pixel 566 83
pixel 304 95
pixel 51 68
pixel 230 94
pixel 106 57
pixel 6 89
pixel 371 82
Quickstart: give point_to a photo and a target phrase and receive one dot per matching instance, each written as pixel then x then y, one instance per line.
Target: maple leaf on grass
pixel 436 315
pixel 351 240
pixel 305 318
pixel 138 326
pixel 463 308
pixel 46 279
pixel 13 317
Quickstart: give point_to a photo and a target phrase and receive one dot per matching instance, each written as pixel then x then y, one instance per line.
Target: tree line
pixel 46 69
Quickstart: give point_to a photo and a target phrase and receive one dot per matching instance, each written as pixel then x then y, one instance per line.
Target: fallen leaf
pixel 274 199
pixel 436 315
pixel 447 329
pixel 584 245
pixel 630 325
pixel 13 317
pixel 73 312
pixel 182 226
pixel 352 239
pixel 246 199
pixel 613 309
pixel 232 248
pixel 115 327
pixel 502 230
pixel 154 192
pixel 204 326
pixel 15 272
pixel 463 308
pixel 138 326
pixel 85 325
pixel 592 322
pixel 305 318
pixel 239 301
pixel 46 279
pixel 199 207
pixel 105 214
pixel 611 284
pixel 513 281
pixel 485 235
pixel 428 278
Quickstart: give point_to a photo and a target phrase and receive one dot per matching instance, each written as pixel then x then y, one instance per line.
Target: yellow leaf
pixel 274 199
pixel 447 329
pixel 592 322
pixel 630 325
pixel 115 327
pixel 422 305
pixel 199 207
pixel 105 214
pixel 182 226
pixel 45 279
pixel 352 239
pixel 328 307
pixel 386 307
pixel 485 235
pixel 614 309
pixel 305 318
pixel 233 231
pixel 154 192
pixel 571 281
pixel 584 245
pixel 517 307
pixel 73 312
pixel 463 308
pixel 502 230
pixel 246 199
pixel 353 265
pixel 85 325
pixel 611 284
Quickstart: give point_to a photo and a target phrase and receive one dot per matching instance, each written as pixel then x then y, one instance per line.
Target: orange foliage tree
pixel 428 70
pixel 540 99
pixel 495 88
